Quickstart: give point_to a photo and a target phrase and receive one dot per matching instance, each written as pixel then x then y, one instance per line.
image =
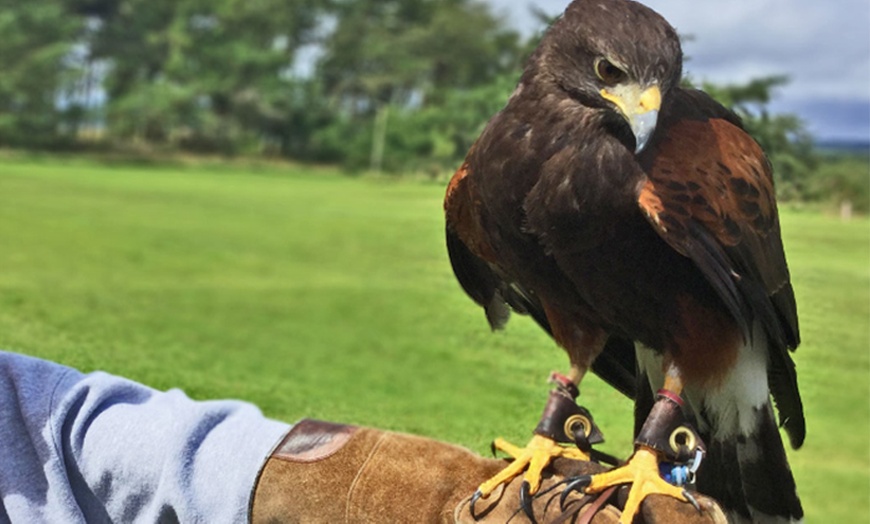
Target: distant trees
pixel 392 85
pixel 389 65
pixel 192 74
pixel 198 74
pixel 39 79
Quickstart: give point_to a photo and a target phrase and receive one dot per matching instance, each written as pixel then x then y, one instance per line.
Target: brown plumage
pixel 677 247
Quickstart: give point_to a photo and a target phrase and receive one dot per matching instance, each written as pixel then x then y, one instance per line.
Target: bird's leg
pixel 565 422
pixel 562 422
pixel 665 436
pixel 583 343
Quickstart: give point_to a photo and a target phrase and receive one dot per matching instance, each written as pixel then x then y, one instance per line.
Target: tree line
pixel 390 85
pixel 229 75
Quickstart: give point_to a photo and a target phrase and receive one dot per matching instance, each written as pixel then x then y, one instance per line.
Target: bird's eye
pixel 608 73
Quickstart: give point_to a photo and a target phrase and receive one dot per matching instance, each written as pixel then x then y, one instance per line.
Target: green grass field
pixel 317 295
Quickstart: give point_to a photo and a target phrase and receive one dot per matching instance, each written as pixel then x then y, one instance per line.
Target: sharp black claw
pixel 526 501
pixel 492 448
pixel 692 501
pixel 474 499
pixel 577 484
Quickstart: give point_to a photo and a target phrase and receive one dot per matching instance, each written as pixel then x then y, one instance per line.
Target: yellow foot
pixel 539 452
pixel 642 471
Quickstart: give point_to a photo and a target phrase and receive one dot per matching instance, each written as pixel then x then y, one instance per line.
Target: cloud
pixel 825 51
pixel 831 119
pixel 823 47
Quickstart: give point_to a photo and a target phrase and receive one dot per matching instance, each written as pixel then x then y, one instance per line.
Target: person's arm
pixel 99 448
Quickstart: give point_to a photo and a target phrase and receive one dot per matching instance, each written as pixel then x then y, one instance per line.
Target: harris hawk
pixel 634 220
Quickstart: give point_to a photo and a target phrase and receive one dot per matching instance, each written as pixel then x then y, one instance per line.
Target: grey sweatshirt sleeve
pixel 99 448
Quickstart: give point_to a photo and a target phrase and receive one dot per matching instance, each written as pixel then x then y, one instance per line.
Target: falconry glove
pixel 324 472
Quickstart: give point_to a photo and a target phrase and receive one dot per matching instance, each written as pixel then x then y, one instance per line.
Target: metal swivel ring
pixel 573 420
pixel 686 435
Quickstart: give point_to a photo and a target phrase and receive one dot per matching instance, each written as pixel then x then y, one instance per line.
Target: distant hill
pixel 853 147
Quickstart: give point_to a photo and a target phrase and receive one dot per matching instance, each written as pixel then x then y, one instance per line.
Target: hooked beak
pixel 640 107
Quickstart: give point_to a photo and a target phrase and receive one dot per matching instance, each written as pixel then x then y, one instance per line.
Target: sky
pixel 823 47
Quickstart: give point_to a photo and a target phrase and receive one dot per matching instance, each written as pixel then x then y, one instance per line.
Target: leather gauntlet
pixel 324 472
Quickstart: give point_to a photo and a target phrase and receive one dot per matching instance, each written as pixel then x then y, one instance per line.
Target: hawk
pixel 634 220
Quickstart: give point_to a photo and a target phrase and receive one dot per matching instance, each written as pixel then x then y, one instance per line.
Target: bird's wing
pixel 471 255
pixel 475 264
pixel 709 194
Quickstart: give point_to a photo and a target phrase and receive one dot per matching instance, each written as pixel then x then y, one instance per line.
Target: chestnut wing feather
pixel 709 194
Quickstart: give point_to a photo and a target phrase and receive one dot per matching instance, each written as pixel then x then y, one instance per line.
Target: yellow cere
pixel 631 101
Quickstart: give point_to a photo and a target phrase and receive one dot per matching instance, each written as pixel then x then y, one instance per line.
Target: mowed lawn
pixel 312 294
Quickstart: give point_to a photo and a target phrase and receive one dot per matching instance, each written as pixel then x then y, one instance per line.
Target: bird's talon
pixel 578 484
pixel 526 501
pixel 492 448
pixel 474 498
pixel 692 501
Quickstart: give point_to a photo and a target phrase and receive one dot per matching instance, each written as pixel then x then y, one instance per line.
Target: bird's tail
pixel 745 468
pixel 749 474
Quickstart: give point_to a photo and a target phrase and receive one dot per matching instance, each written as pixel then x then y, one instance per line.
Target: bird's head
pixel 617 56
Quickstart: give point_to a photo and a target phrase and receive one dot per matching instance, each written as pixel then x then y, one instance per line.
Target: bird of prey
pixel 634 220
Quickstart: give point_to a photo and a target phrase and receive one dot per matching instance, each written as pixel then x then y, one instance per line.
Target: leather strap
pixel 593 509
pixel 585 509
pixel 668 431
pixel 566 422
